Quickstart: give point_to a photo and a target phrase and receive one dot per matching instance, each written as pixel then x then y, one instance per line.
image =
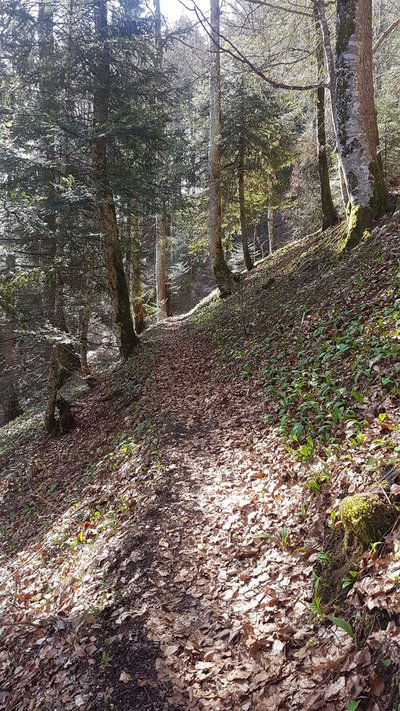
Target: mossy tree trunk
pixel 222 273
pixel 329 214
pixel 357 130
pixel 117 283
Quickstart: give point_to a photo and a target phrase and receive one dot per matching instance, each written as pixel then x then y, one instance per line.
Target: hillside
pixel 182 548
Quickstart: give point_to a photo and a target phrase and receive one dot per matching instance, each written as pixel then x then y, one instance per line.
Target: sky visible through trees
pixel 173 9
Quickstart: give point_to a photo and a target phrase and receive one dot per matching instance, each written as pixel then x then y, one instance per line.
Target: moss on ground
pixel 366 519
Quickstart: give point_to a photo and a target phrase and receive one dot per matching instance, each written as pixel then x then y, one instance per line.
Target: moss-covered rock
pixel 366 518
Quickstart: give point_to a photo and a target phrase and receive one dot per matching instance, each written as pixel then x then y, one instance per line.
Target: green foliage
pixel 322 557
pixel 320 396
pixel 343 624
pixel 353 704
pixel 258 129
pixel 349 579
pixel 284 537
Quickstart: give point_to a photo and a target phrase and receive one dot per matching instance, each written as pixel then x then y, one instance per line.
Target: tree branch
pixel 386 34
pixel 236 53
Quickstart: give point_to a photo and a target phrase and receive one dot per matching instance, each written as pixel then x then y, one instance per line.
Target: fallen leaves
pixel 183 541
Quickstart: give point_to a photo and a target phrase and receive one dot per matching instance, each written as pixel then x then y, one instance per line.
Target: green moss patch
pixel 366 519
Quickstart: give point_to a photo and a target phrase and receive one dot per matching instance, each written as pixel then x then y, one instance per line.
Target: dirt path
pixel 162 555
pixel 221 605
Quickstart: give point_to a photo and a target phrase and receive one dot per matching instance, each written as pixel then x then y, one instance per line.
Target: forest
pixel 199 355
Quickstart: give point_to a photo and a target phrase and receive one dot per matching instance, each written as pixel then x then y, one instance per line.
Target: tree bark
pixel 323 26
pixel 242 210
pixel 87 309
pixel 11 406
pixel 257 239
pixel 329 214
pixel 138 307
pixel 223 275
pixel 117 283
pixel 162 222
pixel 50 421
pixel 63 358
pixel 47 92
pixel 271 230
pixel 356 118
pixel 162 234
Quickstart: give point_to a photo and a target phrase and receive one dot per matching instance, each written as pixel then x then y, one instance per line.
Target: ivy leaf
pixel 353 704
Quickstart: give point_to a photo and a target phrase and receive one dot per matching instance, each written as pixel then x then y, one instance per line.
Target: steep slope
pixel 179 549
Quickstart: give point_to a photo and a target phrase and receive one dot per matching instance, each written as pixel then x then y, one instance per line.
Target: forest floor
pixel 179 549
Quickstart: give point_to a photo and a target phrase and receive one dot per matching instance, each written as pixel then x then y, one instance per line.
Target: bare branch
pixel 265 3
pixel 386 34
pixel 238 55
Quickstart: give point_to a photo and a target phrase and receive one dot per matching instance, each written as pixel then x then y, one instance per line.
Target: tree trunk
pixel 47 93
pixel 11 406
pixel 222 274
pixel 162 234
pixel 271 230
pixel 258 241
pixel 162 221
pixel 356 118
pixel 138 307
pixel 323 26
pixel 242 209
pixel 87 309
pixel 50 421
pixel 329 214
pixel 117 284
pixel 63 357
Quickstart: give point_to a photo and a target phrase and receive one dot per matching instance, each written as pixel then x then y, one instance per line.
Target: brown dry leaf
pixel 125 677
pixel 377 685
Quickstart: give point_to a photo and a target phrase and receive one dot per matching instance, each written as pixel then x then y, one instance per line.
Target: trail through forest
pixel 162 555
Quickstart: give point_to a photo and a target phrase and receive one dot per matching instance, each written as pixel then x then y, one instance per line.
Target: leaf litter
pixel 162 555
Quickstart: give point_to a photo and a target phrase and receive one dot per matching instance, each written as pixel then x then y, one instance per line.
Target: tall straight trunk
pixel 63 357
pixel 356 117
pixel 87 309
pixel 162 234
pixel 47 93
pixel 242 210
pixel 329 214
pixel 258 240
pixel 63 360
pixel 138 307
pixel 271 229
pixel 117 283
pixel 162 224
pixel 323 28
pixel 11 406
pixel 50 421
pixel 223 275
